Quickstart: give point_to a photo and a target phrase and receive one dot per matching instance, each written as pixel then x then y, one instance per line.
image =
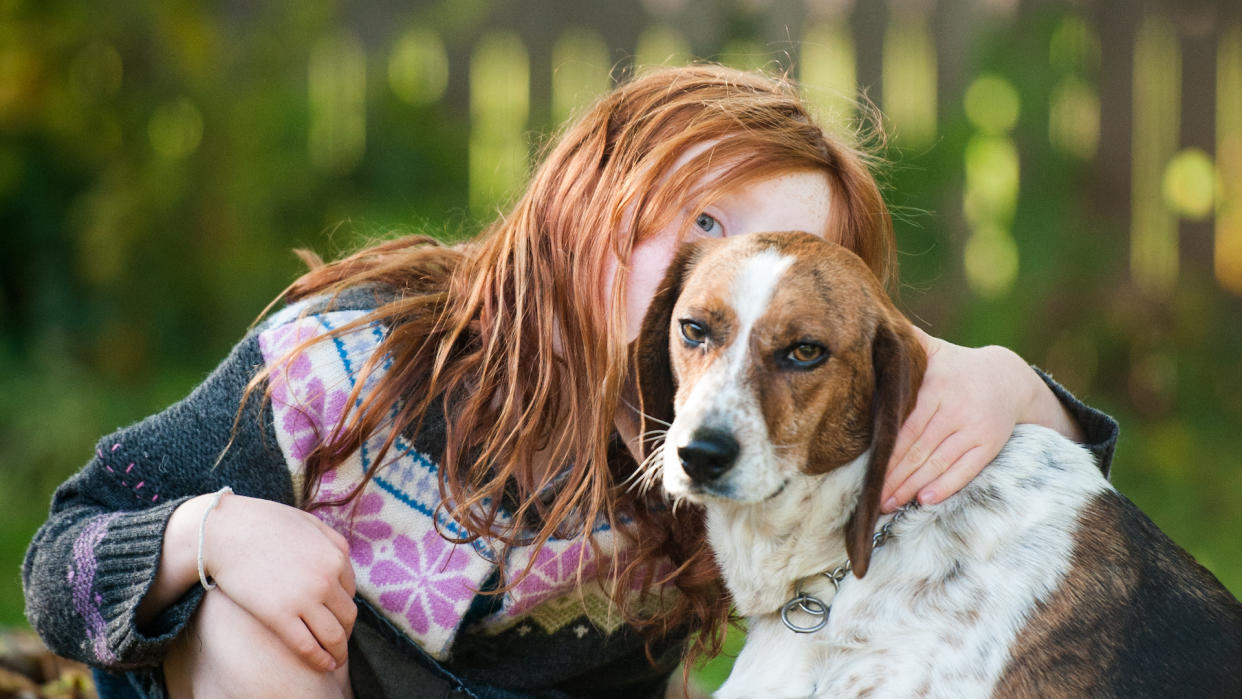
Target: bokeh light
pixel 991 261
pixel 828 73
pixel 418 67
pixel 992 179
pixel 1074 47
pixel 176 129
pixel 1228 248
pixel 992 104
pixel 661 44
pixel 580 69
pixel 499 108
pixel 910 97
pixel 1074 117
pixel 338 89
pixel 1190 184
pixel 1156 108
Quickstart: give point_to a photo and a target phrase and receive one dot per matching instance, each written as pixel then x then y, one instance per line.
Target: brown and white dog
pixel 791 372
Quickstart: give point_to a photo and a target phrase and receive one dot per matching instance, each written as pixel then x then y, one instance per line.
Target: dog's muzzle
pixel 709 455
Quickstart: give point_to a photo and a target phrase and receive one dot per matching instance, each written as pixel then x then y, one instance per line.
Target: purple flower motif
pixel 363 527
pixel 427 581
pixel 305 408
pixel 554 573
pixel 310 414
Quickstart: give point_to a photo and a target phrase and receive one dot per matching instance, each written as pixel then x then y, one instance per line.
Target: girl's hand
pixel 287 569
pixel 968 405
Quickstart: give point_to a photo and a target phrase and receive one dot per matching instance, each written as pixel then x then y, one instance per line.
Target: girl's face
pixel 795 201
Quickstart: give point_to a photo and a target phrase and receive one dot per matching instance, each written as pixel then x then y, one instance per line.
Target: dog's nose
pixel 708 455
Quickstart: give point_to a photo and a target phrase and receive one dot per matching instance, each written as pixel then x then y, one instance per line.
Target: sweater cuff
pixel 126 559
pixel 1100 430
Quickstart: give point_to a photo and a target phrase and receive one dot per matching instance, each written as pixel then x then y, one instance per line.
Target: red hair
pixel 516 337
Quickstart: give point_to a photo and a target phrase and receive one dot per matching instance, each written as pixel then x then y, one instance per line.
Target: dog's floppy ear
pixel 657 387
pixel 898 360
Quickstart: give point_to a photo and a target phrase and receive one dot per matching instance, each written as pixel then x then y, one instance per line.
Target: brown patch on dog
pixel 1055 655
pixel 877 367
pixel 1134 615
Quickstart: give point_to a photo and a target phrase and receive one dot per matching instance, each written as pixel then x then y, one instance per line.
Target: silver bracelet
pixel 202 530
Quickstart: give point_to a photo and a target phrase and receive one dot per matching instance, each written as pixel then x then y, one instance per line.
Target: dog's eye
pixel 806 354
pixel 693 333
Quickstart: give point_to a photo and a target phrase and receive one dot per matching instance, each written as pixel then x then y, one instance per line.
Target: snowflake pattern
pixel 425 581
pixel 361 523
pixel 555 571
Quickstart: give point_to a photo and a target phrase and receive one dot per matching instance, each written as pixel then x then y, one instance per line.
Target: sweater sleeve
pixel 93 561
pixel 1100 430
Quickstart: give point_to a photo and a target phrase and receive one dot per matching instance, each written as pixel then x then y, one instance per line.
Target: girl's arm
pixel 90 565
pixel 111 578
pixel 284 566
pixel 968 405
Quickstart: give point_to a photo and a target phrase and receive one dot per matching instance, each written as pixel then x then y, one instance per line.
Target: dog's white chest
pixel 940 641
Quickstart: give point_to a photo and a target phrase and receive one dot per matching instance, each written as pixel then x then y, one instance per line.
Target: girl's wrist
pixel 181 540
pixel 1042 407
pixel 178 567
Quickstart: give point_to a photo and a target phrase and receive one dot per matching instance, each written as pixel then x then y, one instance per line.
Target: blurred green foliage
pixel 155 173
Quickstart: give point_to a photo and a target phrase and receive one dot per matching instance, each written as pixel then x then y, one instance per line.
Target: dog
pixel 786 372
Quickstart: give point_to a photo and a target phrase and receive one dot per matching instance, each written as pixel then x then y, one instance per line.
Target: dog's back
pixel 1135 615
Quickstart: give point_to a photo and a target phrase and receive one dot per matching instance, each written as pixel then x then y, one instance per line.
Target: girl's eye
pixel 806 354
pixel 693 333
pixel 707 224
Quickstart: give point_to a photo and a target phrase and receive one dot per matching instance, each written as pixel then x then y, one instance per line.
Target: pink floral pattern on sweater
pixel 422 582
pixel 555 570
pixel 307 407
pixel 361 522
pixel 425 581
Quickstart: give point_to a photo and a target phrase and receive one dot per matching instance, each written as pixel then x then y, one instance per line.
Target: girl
pixel 427 474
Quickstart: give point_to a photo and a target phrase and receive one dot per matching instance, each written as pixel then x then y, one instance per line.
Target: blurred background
pixel 1066 176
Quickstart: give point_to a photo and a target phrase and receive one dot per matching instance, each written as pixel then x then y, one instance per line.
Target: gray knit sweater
pixel 423 627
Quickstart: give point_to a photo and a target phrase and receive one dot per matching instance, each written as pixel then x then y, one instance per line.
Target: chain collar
pixel 815 607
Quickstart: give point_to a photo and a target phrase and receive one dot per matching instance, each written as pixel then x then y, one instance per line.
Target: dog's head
pixel 784 360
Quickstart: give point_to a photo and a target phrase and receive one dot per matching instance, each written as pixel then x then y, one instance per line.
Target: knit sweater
pixel 423 621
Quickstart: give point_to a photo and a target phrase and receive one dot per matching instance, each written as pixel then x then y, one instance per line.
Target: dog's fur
pixel 1036 579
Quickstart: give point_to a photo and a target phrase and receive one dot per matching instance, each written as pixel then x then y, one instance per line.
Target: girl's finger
pixel 938 462
pixel 342 606
pixel 329 634
pixel 298 636
pixel 347 578
pixel 908 436
pixel 955 477
pixel 933 433
pixel 337 539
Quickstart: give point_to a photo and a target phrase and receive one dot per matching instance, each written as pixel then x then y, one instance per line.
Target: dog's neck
pixel 796 534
